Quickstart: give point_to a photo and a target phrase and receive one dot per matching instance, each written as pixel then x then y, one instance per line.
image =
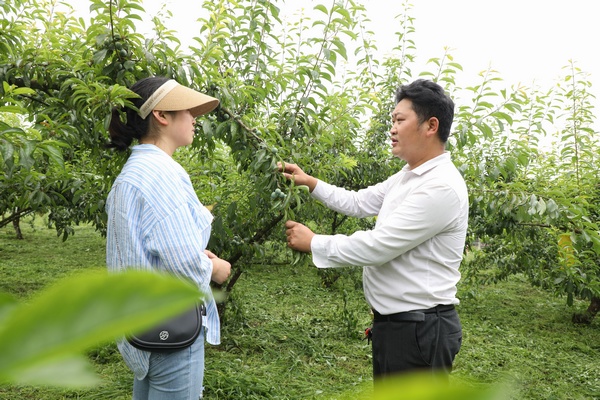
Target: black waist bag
pixel 173 334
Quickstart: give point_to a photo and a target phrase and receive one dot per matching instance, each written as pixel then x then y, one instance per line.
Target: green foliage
pixel 41 342
pixel 529 188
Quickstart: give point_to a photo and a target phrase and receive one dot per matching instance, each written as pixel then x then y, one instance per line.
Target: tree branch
pixel 15 216
pixel 258 237
pixel 251 131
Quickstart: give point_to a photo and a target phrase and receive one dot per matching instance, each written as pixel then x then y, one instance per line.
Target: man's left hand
pixel 298 236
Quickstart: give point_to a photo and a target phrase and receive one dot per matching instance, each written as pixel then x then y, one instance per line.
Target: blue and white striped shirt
pixel 155 221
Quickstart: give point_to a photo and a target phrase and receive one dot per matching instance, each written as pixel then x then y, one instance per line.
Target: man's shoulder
pixel 447 175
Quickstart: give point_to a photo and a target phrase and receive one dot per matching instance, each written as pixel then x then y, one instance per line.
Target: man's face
pixel 407 134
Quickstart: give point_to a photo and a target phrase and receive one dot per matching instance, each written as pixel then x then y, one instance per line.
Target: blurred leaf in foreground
pixel 425 386
pixel 41 342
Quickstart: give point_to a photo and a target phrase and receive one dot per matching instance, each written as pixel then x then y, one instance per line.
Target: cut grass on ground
pixel 287 337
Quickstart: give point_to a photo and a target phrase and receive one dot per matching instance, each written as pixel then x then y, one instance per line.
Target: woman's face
pixel 180 130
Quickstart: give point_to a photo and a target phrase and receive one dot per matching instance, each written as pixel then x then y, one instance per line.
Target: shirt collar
pixel 429 165
pixel 147 147
pixel 155 151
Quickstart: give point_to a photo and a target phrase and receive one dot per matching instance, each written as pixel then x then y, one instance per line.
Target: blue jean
pixel 173 376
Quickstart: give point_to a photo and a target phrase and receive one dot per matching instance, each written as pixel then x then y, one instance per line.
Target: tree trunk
pixel 589 314
pixel 258 237
pixel 16 224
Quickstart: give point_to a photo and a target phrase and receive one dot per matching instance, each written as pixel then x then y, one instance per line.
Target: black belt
pixel 412 316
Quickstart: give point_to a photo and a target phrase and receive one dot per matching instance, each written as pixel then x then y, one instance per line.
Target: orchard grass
pixel 285 336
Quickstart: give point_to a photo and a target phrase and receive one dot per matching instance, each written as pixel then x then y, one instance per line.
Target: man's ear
pixel 160 117
pixel 433 125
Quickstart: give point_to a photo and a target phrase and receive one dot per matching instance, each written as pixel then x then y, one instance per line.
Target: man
pixel 411 257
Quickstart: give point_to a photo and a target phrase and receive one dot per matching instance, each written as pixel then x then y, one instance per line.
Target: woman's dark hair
pixel 134 127
pixel 429 100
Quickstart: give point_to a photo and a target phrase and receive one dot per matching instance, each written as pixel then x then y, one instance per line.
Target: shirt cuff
pixel 318 247
pixel 321 190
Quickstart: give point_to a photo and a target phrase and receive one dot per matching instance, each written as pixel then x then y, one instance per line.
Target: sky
pixel 526 41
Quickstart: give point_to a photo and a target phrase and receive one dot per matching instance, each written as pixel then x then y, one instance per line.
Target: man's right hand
pixel 296 174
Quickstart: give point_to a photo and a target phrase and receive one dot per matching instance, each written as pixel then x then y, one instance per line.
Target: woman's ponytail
pixel 122 133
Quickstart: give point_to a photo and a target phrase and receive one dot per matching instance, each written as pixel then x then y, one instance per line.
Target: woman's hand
pixel 221 268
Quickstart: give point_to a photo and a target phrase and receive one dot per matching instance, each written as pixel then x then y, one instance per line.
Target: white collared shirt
pixel 411 257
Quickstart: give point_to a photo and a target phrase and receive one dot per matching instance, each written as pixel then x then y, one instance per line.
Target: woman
pixel 155 221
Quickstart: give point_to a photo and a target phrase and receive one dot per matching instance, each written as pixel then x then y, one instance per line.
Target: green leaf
pixel 207 128
pixel 71 371
pixel 23 90
pixel 83 311
pixel 7 305
pixel 13 109
pixel 322 8
pixel 485 129
pixel 503 116
pixel 53 152
pixel 25 153
pixel 99 56
pixel 420 386
pixel 7 150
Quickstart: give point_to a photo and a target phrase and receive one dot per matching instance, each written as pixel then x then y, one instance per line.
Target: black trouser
pixel 415 340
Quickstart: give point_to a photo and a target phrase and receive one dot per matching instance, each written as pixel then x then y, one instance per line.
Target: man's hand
pixel 296 174
pixel 298 236
pixel 221 268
